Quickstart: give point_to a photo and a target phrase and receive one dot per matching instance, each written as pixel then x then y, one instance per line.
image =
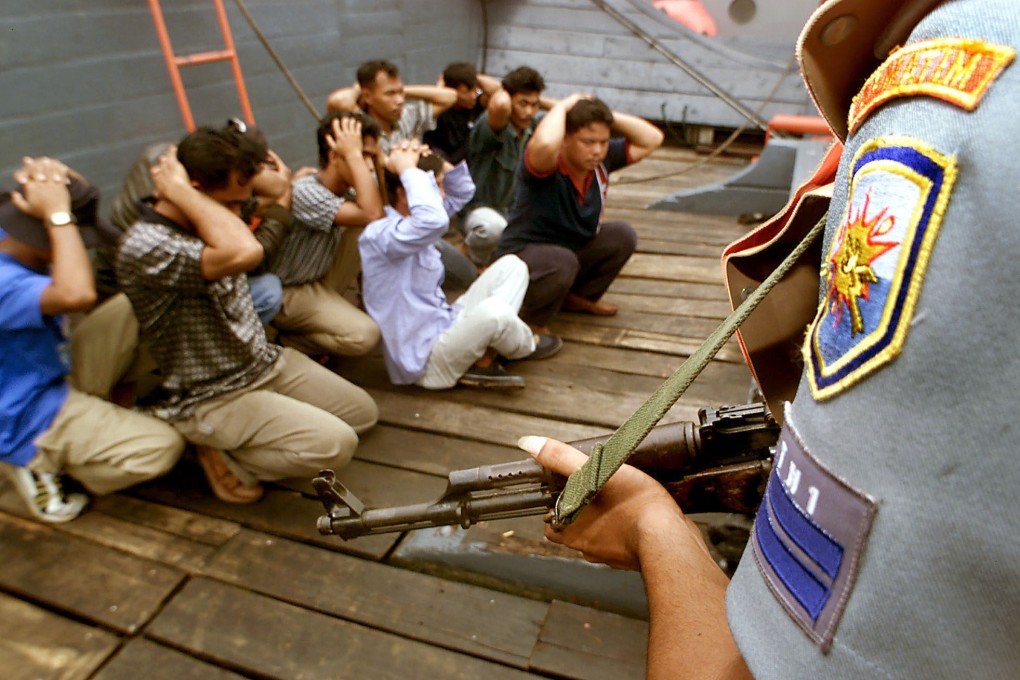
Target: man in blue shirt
pixel 53 422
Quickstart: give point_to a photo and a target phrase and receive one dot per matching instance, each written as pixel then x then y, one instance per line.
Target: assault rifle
pixel 720 464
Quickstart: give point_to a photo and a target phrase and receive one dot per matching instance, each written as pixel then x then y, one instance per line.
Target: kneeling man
pixel 427 341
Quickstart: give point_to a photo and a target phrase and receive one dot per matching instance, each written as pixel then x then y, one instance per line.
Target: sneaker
pixel 45 496
pixel 546 346
pixel 493 376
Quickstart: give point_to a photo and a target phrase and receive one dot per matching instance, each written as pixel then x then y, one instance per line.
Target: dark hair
pixel 210 155
pixel 460 73
pixel 585 112
pixel 368 70
pixel 369 128
pixel 427 163
pixel 523 79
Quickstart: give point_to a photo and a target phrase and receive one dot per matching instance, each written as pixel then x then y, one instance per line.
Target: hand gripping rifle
pixel 720 464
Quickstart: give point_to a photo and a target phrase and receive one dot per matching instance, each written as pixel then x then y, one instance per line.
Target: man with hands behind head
pixel 56 418
pixel 255 411
pixel 427 341
pixel 556 223
pixel 318 260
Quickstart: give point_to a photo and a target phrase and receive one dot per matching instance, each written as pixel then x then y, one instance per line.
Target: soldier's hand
pixel 610 529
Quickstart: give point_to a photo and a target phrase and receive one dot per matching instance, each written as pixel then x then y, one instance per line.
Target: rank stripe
pixel 955 70
pixel 804 533
pixel 809 591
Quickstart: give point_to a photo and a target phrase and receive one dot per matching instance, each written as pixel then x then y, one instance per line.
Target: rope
pixel 719 150
pixel 272 53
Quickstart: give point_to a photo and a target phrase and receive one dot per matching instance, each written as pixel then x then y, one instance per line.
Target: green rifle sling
pixel 605 459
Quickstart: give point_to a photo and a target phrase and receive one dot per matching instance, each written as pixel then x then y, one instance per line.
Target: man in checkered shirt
pixel 254 410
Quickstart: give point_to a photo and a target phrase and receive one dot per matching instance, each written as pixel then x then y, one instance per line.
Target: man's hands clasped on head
pixel 44 189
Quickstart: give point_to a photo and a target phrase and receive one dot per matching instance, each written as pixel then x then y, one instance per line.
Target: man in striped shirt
pixel 319 258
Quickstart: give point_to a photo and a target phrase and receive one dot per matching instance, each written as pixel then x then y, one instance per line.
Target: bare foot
pixel 576 303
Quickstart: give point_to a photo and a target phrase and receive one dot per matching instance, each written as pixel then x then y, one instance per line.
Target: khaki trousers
pixel 104 446
pixel 317 319
pixel 298 420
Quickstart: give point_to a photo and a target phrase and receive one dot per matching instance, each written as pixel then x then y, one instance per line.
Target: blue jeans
pixel 267 293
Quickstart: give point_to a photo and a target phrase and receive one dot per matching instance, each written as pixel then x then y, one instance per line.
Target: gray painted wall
pixel 85 80
pixel 577 45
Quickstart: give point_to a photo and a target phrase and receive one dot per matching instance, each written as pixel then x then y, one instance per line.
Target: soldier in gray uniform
pixel 887 543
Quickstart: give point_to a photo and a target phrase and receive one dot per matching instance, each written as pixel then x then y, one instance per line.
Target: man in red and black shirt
pixel 555 222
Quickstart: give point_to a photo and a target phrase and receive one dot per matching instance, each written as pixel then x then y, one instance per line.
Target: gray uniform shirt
pixel 889 546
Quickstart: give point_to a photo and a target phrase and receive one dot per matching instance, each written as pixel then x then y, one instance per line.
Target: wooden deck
pixel 167 582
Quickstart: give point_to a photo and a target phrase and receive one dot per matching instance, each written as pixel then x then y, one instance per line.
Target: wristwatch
pixel 61 218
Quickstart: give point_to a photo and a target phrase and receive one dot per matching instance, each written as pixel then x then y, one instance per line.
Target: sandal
pixel 224 483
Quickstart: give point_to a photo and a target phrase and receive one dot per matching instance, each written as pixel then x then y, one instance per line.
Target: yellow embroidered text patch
pixel 956 70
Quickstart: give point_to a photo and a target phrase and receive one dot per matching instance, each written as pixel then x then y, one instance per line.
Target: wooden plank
pixel 471 422
pixel 189 525
pixel 266 638
pixel 109 587
pixel 717 310
pixel 664 343
pixel 141 658
pixel 457 616
pixel 654 247
pixel 140 541
pixel 674 268
pixel 590 397
pixel 590 644
pixel 285 512
pixel 428 452
pixel 685 326
pixel 666 225
pixel 512 556
pixel 36 644
pixel 668 289
pixel 719 383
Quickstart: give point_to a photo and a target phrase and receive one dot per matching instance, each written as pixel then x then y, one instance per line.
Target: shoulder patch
pixel 899 190
pixel 955 70
pixel 809 537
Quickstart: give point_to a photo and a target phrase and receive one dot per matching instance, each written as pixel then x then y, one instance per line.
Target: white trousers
pixel 487 318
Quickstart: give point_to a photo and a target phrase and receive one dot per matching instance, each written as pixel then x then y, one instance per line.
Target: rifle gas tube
pixel 718 465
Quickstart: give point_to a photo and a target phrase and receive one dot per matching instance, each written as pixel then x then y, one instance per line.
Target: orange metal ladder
pixel 175 62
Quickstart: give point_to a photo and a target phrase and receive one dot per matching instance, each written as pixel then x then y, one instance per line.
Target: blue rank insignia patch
pixel 876 261
pixel 809 537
